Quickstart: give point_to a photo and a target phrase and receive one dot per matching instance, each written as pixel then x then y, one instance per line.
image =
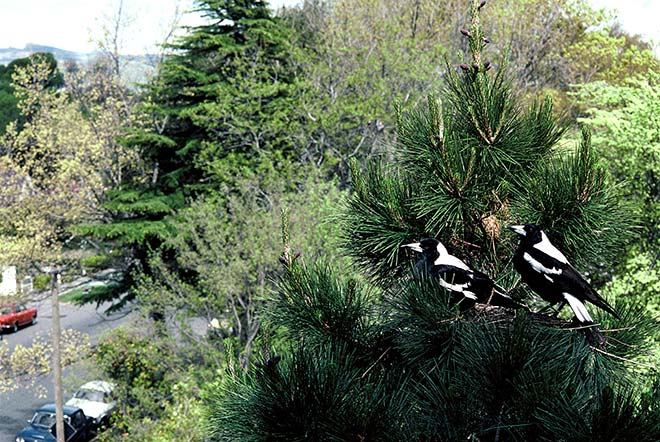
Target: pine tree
pixel 382 354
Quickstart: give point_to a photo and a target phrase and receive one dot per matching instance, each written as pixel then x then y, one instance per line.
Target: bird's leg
pixel 546 308
pixel 561 305
pixel 490 298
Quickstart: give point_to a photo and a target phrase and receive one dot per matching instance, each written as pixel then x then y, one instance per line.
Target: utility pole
pixel 55 275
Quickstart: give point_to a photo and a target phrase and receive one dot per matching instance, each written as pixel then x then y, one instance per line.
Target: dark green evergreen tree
pixel 382 355
pixel 8 101
pixel 222 106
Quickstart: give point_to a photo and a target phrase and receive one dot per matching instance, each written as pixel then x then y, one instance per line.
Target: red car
pixel 16 315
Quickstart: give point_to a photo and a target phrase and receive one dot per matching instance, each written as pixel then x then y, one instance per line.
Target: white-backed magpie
pixel 549 274
pixel 468 285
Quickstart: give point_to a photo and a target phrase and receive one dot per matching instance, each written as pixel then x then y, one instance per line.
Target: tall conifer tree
pixel 385 355
pixel 219 106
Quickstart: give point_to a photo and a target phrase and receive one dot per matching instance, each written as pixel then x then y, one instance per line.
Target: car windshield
pixel 43 419
pixel 5 311
pixel 95 396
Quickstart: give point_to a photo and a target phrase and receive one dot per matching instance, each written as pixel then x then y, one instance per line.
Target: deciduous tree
pixel 50 183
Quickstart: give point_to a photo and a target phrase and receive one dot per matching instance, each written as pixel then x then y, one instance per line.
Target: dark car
pixel 77 426
pixel 16 315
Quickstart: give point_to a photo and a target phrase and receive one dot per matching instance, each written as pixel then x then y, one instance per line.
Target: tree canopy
pixel 384 354
pixel 252 197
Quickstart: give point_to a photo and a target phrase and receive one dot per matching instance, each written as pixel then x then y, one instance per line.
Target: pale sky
pixel 76 24
pixel 636 16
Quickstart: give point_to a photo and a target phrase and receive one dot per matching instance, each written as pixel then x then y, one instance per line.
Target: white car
pixel 95 399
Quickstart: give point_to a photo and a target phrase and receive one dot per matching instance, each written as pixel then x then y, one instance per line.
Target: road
pixel 16 407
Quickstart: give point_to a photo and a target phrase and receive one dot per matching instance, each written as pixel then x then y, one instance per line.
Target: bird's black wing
pixel 564 278
pixel 458 282
pixel 585 292
pixel 452 274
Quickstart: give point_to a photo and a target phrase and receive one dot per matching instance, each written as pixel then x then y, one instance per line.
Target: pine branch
pixel 379 219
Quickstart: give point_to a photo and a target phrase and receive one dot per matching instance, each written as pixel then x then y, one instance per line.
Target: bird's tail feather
pixel 600 302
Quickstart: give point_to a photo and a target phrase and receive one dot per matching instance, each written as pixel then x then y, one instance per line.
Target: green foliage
pixel 637 285
pixel 21 367
pixel 225 254
pixel 96 262
pixel 639 278
pixel 8 108
pixel 621 415
pixel 140 370
pixel 357 59
pixel 419 323
pixel 227 91
pixel 358 55
pixel 464 169
pixel 430 370
pixel 127 358
pixel 41 282
pixel 304 397
pixel 222 106
pixel 382 200
pixel 572 196
pixel 322 307
pixel 415 361
pixel 181 417
pixel 624 119
pixel 91 294
pixel 619 56
pixel 9 101
pixel 205 290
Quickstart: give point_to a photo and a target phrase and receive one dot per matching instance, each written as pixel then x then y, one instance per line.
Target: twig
pixel 376 362
pixel 583 327
pixel 652 367
pixel 618 329
pixel 618 341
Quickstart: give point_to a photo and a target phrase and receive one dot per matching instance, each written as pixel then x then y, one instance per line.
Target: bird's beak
pixel 520 230
pixel 415 246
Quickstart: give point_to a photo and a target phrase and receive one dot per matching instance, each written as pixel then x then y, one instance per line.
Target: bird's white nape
pixel 546 247
pixel 442 250
pixel 578 308
pixel 447 259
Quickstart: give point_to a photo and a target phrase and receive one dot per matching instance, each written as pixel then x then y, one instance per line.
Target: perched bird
pixel 549 274
pixel 470 286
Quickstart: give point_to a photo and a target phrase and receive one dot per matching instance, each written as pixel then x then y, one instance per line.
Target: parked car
pixel 14 316
pixel 41 428
pixel 95 399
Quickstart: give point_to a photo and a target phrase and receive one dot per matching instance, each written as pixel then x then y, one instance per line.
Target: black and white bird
pixel 549 274
pixel 468 285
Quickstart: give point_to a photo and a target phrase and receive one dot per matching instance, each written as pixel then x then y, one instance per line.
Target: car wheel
pixel 33 321
pixel 15 327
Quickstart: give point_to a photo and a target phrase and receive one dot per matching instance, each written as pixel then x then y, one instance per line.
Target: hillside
pixel 9 54
pixel 136 67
